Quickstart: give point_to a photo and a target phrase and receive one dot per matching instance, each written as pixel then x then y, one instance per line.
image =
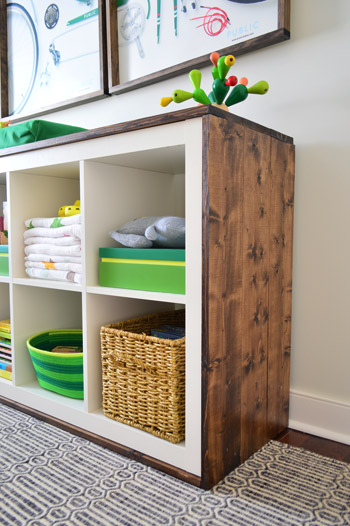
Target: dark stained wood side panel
pixel 255 311
pixel 275 420
pixel 280 285
pixel 288 216
pixel 3 61
pixel 222 275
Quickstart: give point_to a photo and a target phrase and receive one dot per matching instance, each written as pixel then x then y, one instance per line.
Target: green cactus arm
pixel 200 96
pixel 238 94
pixel 180 95
pixel 195 77
pixel 260 88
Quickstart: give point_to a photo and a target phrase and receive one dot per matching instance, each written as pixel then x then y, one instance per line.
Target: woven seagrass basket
pixel 144 376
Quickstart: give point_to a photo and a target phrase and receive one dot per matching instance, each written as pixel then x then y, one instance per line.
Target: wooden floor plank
pixel 322 446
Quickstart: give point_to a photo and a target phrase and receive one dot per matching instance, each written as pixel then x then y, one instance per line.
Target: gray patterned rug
pixel 51 477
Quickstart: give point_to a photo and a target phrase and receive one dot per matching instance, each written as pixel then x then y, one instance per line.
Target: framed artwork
pixel 152 40
pixel 53 55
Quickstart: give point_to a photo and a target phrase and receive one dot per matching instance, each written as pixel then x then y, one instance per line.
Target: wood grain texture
pixel 322 446
pixel 103 45
pixel 255 311
pixel 275 419
pixel 284 14
pixel 248 186
pixel 280 297
pixel 112 43
pixel 221 305
pixel 286 154
pixel 3 61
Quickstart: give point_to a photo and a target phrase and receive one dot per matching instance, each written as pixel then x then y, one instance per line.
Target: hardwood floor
pixel 322 446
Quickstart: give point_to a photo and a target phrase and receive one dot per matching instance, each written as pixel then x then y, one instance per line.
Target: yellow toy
pixel 69 210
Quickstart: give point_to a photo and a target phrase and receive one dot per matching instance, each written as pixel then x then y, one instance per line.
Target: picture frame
pixel 135 62
pixel 38 72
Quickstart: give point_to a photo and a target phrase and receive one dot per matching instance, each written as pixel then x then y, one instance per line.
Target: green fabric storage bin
pixel 151 269
pixel 4 265
pixel 143 276
pixel 58 372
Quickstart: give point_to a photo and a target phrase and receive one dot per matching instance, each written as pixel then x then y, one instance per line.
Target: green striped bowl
pixel 61 373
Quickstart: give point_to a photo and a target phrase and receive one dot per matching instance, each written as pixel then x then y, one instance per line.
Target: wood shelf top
pixel 146 122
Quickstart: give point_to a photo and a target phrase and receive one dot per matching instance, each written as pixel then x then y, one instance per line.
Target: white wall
pixel 309 100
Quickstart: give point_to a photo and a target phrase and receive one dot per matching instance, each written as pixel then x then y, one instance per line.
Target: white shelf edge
pixel 138 294
pixel 5 381
pixel 98 414
pixel 4 279
pixel 34 389
pixel 48 284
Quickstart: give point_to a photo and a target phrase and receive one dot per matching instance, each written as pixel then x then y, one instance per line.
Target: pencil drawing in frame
pixel 152 40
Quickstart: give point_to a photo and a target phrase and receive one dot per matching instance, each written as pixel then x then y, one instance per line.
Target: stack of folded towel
pixel 53 248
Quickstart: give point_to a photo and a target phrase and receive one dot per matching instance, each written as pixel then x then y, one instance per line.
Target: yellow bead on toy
pixel 164 101
pixel 230 60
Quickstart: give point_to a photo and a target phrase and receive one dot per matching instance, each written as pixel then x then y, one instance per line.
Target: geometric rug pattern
pixel 49 477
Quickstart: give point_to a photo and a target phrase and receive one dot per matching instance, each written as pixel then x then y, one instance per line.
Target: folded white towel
pixel 74 267
pixel 53 241
pixel 70 230
pixel 53 258
pixel 52 222
pixel 56 275
pixel 55 250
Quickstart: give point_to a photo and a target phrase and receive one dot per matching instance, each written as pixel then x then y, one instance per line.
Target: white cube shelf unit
pixel 233 182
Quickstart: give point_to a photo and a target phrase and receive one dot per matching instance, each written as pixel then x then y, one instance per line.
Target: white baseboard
pixel 320 417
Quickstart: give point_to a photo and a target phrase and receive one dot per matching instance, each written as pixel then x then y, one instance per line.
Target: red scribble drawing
pixel 214 21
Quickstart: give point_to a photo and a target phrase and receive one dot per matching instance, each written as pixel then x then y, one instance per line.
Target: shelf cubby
pixel 37 192
pixel 115 194
pixel 37 309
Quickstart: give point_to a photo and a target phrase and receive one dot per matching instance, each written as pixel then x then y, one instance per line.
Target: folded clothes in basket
pixel 169 332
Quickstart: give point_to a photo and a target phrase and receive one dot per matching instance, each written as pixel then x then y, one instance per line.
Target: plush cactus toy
pixel 220 95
